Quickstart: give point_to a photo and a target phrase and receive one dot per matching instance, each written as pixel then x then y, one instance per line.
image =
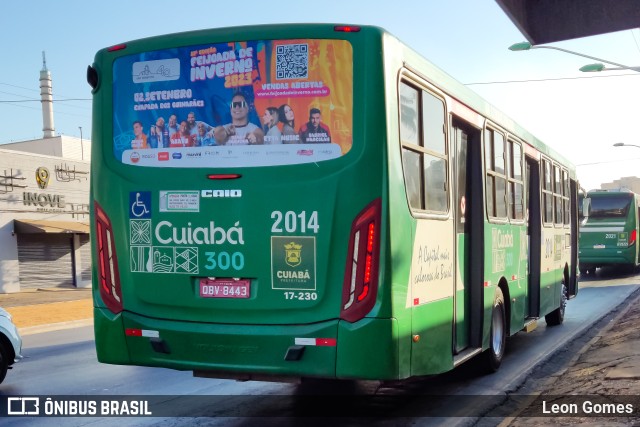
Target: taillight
pixel 632 237
pixel 224 176
pixel 360 286
pixel 108 275
pixel 346 28
pixel 116 47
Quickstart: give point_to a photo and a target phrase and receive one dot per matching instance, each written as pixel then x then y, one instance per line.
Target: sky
pixel 580 114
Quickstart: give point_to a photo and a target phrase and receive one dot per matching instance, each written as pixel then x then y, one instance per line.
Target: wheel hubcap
pixel 498 333
pixel 563 299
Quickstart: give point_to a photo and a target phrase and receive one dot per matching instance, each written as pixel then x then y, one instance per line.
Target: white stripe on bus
pixel 601 229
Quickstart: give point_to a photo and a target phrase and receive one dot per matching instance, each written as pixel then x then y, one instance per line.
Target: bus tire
pixel 497 336
pixel 4 360
pixel 556 317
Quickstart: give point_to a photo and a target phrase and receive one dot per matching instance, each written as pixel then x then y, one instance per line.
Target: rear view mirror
pixel 586 206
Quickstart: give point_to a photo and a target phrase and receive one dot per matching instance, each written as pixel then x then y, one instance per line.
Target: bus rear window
pixel 610 207
pixel 237 104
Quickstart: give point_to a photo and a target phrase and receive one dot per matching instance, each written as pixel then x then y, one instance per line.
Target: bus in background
pixel 293 201
pixel 609 230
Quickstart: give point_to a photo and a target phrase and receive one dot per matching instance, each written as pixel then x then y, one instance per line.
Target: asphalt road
pixel 64 363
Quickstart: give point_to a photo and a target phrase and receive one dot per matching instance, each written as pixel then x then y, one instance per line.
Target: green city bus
pixel 609 230
pixel 315 201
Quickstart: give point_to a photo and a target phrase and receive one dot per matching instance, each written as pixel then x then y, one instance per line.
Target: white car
pixel 10 343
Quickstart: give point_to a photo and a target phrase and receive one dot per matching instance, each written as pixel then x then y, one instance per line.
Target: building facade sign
pixel 42 177
pixel 42 197
pixel 44 201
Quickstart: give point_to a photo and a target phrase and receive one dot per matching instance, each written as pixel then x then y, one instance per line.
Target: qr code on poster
pixel 292 61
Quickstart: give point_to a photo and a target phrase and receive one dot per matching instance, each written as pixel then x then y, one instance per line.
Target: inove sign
pixel 43 200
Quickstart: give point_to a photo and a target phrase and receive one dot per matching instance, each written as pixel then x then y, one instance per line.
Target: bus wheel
pixel 498 337
pixel 4 362
pixel 556 317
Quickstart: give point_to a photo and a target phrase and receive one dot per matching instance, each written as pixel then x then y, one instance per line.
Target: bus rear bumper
pixel 331 349
pixel 233 349
pixel 598 259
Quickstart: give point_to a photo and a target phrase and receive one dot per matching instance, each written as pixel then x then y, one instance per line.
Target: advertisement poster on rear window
pixel 240 104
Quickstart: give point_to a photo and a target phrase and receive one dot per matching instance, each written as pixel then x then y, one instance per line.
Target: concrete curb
pixel 635 299
pixel 29 330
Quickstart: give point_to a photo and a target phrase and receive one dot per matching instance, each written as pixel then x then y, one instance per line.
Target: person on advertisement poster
pixel 204 138
pixel 287 117
pixel 193 123
pixel 239 131
pixel 270 120
pixel 183 137
pixel 159 136
pixel 173 125
pixel 140 138
pixel 314 131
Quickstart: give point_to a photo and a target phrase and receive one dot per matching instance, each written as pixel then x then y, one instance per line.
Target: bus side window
pixel 547 192
pixel 410 140
pixel 424 150
pixel 496 174
pixel 516 184
pixel 436 171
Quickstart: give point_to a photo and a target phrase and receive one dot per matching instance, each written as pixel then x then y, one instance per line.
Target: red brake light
pixel 108 274
pixel 347 28
pixel 224 176
pixel 116 47
pixel 360 286
pixel 632 237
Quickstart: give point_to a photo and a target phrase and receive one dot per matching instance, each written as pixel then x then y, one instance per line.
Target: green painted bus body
pixel 608 235
pixel 399 336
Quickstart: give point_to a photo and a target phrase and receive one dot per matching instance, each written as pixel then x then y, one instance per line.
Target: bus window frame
pixel 488 170
pixel 511 179
pixel 410 79
pixel 558 201
pixel 566 197
pixel 546 164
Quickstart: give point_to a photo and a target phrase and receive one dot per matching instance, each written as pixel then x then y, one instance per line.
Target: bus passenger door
pixel 464 209
pixel 573 274
pixel 534 233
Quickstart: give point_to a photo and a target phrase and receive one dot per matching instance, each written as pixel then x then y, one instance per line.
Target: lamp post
pixel 594 68
pixel 587 68
pixel 622 144
pixel 81 144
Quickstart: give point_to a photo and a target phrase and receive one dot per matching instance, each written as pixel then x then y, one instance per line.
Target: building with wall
pixel 44 207
pixel 44 218
pixel 628 183
pixel 68 147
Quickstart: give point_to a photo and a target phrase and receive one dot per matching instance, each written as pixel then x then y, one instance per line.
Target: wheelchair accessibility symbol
pixel 140 202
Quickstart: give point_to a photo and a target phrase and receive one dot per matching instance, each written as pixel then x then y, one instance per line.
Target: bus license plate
pixel 225 288
pixel 598 246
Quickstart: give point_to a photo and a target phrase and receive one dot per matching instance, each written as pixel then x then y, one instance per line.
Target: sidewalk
pixel 42 310
pixel 606 369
